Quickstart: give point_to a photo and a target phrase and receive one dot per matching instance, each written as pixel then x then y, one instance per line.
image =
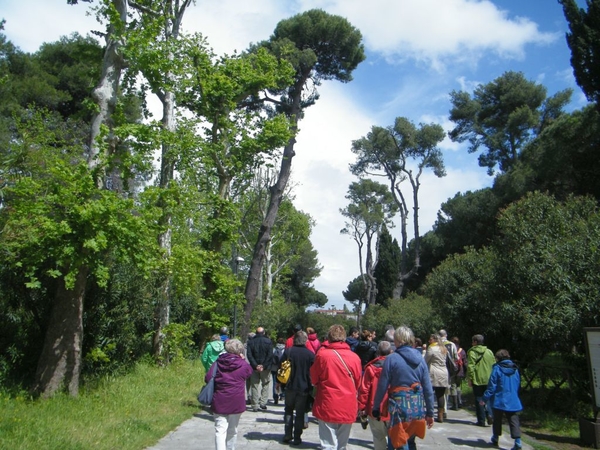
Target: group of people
pixel 392 386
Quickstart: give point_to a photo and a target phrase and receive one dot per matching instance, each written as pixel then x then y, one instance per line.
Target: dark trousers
pixel 482 411
pixel 294 401
pixel 513 423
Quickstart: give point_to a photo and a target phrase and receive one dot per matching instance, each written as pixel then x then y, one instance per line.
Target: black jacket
pixel 301 359
pixel 260 352
pixel 366 351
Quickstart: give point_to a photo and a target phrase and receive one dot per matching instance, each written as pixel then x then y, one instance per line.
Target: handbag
pixel 206 393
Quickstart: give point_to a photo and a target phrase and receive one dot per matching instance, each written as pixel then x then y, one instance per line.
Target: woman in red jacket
pixel 366 395
pixel 336 374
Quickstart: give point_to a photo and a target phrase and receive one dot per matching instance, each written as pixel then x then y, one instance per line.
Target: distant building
pixel 342 313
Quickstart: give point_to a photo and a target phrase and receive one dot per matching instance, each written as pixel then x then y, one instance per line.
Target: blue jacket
pixel 503 386
pixel 405 367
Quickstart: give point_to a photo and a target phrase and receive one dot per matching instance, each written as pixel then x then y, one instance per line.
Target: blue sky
pixel 418 51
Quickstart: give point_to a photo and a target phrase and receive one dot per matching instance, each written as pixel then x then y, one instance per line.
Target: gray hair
pixel 389 335
pixel 384 348
pixel 300 338
pixel 443 334
pixel 234 346
pixel 404 336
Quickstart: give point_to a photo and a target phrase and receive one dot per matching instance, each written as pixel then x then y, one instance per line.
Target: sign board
pixel 592 345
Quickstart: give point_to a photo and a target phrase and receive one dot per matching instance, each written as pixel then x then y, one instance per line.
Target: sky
pixel 418 51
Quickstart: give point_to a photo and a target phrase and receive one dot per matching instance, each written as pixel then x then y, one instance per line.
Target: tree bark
pixel 264 234
pixel 105 93
pixel 60 362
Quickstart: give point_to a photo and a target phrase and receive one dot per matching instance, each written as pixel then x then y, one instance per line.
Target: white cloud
pixel 436 30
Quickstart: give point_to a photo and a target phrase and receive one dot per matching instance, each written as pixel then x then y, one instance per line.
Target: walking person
pixel 503 391
pixel 435 357
pixel 456 380
pixel 277 358
pixel 366 395
pixel 405 378
pixel 313 343
pixel 336 375
pixel 212 350
pixel 297 388
pixel 366 348
pixel 228 401
pixel 260 357
pixel 479 369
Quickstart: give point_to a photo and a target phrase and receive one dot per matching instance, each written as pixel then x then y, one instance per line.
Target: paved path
pixel 264 430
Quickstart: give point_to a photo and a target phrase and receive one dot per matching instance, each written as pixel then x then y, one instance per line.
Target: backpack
pixel 451 363
pixel 284 371
pixel 277 354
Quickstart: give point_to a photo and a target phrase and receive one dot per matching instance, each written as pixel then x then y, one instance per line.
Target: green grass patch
pixel 130 412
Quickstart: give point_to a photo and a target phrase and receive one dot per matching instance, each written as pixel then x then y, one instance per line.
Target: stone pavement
pixel 263 430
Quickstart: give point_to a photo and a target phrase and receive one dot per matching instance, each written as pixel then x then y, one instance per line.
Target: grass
pixel 126 413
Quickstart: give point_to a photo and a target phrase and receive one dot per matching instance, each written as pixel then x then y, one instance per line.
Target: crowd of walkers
pixel 398 386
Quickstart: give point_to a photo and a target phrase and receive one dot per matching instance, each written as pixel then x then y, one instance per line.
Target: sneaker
pixel 494 440
pixel 287 439
pixel 263 407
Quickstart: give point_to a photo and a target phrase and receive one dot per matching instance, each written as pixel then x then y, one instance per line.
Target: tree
pixel 390 152
pixel 355 292
pixel 387 268
pixel 535 287
pixel 371 207
pixel 503 116
pixel 563 159
pixel 584 45
pixel 321 47
pixel 57 229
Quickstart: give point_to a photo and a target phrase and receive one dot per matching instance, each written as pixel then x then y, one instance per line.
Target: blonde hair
pixel 336 333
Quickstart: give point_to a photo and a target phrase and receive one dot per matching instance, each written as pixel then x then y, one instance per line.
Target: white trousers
pixel 334 436
pixel 226 431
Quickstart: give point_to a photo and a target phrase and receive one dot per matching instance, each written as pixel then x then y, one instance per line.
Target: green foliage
pixel 563 158
pixel 327 43
pixel 388 267
pixel 535 287
pixel 178 341
pixel 503 116
pixel 584 44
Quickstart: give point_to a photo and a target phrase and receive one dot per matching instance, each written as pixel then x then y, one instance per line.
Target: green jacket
pixel 212 350
pixel 479 366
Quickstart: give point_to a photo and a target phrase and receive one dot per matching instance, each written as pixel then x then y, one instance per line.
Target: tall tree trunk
pixel 59 365
pixel 106 92
pixel 264 234
pixel 277 192
pixel 167 168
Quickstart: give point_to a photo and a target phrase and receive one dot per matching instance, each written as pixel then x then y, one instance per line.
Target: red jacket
pixel 368 386
pixel 335 401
